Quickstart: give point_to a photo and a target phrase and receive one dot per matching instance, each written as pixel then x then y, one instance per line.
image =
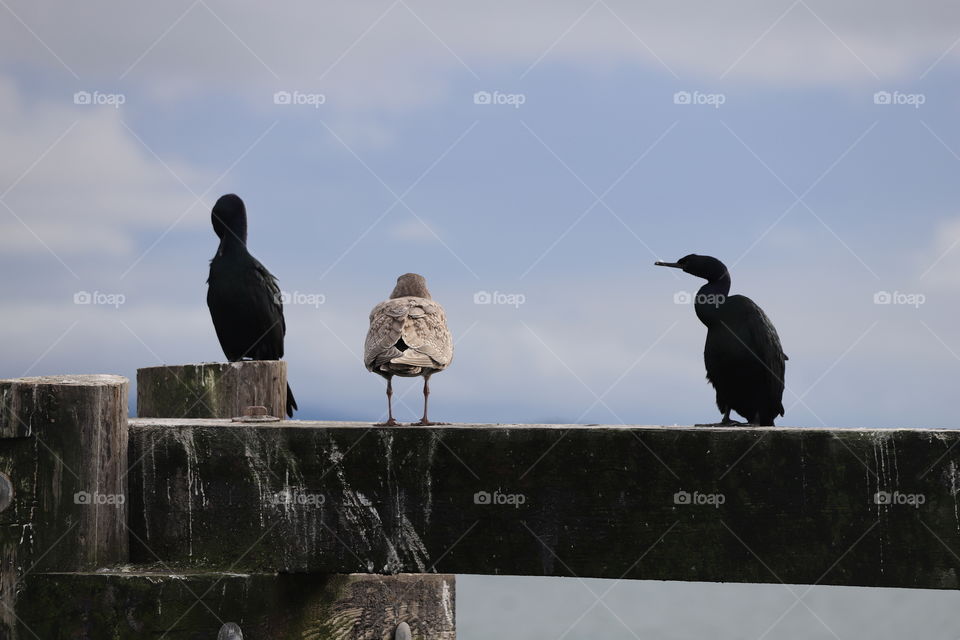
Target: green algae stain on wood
pixel 212 389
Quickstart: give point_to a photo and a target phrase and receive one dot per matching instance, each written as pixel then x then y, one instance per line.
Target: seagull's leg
pixel 390 401
pixel 425 422
pixel 426 399
pixel 390 421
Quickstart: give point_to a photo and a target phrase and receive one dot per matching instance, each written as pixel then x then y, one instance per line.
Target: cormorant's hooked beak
pixel 675 265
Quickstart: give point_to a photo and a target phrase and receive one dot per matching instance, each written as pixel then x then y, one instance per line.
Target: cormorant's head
pixel 411 284
pixel 705 267
pixel 230 217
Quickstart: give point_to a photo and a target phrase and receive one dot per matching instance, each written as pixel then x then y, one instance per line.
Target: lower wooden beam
pixel 136 605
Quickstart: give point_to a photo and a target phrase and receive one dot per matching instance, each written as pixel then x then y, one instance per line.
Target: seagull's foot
pixel 427 423
pixel 389 423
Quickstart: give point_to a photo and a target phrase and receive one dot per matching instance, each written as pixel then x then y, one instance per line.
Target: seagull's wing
pixel 425 332
pixel 386 327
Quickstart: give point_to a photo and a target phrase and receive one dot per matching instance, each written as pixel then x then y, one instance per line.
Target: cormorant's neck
pixel 710 298
pixel 232 243
pixel 719 285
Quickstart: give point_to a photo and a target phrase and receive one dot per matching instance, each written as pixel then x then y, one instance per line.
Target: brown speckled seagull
pixel 408 337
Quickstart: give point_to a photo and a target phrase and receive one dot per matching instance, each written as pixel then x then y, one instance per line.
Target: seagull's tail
pixel 291 402
pixel 413 358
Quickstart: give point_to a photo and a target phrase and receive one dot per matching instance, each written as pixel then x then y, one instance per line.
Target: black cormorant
pixel 744 359
pixel 243 297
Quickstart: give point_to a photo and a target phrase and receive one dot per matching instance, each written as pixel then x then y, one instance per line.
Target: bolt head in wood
pixel 230 631
pixel 6 492
pixel 256 414
pixel 402 632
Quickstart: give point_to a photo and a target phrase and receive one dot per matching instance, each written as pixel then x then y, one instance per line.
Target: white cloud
pixel 940 261
pixel 415 230
pixel 80 182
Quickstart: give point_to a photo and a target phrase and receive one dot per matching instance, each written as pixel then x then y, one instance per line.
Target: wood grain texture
pixel 765 504
pixel 212 389
pixel 136 604
pixel 63 444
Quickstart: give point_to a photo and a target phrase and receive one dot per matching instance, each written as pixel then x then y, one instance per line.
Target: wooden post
pixel 63 449
pixel 212 389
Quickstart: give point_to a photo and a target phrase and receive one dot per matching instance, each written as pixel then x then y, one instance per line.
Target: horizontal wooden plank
pixel 134 604
pixel 742 504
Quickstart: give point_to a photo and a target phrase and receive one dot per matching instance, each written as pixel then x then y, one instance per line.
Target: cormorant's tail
pixel 291 402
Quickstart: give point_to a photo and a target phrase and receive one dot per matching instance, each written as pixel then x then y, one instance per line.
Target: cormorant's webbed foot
pixel 389 423
pixel 727 422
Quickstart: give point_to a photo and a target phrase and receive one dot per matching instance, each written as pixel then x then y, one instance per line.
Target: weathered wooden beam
pixel 212 389
pixel 134 604
pixel 805 506
pixel 63 447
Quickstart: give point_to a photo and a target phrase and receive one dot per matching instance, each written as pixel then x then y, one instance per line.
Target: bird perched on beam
pixel 745 362
pixel 243 297
pixel 408 337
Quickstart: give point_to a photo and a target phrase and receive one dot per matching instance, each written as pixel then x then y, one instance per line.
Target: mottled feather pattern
pixel 422 326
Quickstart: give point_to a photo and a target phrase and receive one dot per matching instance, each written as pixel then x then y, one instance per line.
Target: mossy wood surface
pixel 212 389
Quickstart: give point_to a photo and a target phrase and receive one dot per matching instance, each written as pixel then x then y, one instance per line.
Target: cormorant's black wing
pixel 271 347
pixel 753 329
pixel 270 304
pixel 247 310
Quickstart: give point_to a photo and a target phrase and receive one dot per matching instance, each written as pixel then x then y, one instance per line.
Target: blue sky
pixel 817 196
pixel 814 194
